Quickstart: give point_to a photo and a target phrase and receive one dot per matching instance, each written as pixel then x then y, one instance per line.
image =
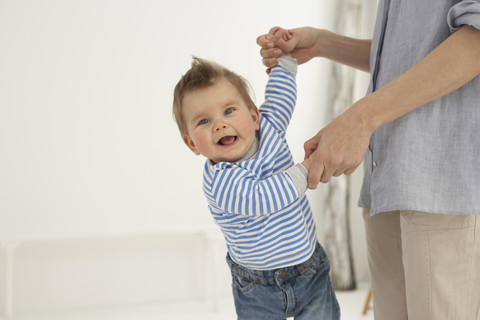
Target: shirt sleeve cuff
pixel 288 63
pixel 299 176
pixel 464 13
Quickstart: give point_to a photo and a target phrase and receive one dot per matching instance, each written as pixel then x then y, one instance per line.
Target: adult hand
pixel 338 148
pixel 301 44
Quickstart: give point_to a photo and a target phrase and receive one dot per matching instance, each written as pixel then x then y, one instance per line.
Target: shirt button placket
pixel 374 163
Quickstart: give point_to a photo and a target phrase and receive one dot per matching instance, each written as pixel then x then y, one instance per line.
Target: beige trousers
pixel 424 266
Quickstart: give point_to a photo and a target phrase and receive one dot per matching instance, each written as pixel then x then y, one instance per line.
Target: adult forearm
pixel 308 42
pixel 451 65
pixel 349 51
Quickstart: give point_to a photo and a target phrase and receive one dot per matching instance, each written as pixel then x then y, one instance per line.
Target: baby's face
pixel 220 126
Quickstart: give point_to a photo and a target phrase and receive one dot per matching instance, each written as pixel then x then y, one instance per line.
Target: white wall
pixel 86 134
pixel 88 146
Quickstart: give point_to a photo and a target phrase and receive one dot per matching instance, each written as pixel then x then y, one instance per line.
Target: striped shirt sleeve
pixel 239 191
pixel 281 94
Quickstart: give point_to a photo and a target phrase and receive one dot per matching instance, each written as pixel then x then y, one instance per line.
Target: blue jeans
pixel 303 291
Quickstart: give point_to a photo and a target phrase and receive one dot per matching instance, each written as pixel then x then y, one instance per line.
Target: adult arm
pixel 340 146
pixel 307 43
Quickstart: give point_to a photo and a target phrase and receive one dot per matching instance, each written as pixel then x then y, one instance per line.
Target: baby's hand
pixel 280 33
pixel 283 39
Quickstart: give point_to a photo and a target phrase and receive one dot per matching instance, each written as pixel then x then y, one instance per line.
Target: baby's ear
pixel 190 144
pixel 256 117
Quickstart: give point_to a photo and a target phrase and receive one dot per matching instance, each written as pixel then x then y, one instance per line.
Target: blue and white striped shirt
pixel 266 220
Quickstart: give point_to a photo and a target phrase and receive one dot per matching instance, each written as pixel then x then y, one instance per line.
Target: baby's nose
pixel 220 126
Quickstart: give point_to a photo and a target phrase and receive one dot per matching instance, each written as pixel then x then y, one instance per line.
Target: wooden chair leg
pixel 366 307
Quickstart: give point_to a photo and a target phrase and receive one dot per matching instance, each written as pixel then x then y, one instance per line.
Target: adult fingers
pixel 327 174
pixel 264 41
pixel 310 146
pixel 269 62
pixel 271 53
pixel 349 171
pixel 346 170
pixel 338 172
pixel 268 40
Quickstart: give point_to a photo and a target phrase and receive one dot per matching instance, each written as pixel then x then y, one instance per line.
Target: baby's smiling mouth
pixel 227 140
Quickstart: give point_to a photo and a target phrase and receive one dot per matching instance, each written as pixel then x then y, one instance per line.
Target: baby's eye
pixel 229 111
pixel 202 122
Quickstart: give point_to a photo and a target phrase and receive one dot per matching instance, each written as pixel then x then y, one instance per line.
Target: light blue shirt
pixel 429 159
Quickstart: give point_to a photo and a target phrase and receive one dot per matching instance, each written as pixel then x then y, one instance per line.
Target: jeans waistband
pixel 268 277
